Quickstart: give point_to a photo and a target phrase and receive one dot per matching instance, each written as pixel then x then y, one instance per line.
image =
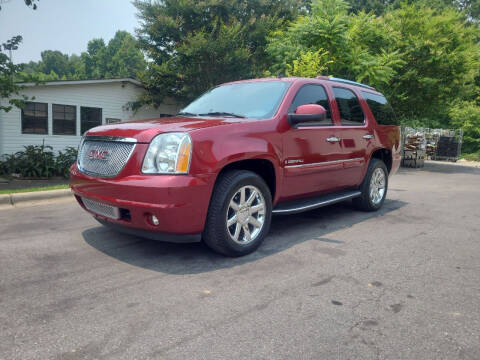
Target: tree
pixel 55 61
pixel 357 47
pixel 441 57
pixel 195 45
pixel 466 116
pixel 120 58
pixel 470 7
pixel 8 70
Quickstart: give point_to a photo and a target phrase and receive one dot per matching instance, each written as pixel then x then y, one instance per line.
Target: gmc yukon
pixel 237 155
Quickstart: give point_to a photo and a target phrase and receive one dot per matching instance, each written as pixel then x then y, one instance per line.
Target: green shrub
pixel 466 116
pixel 38 161
pixel 64 160
pixel 471 157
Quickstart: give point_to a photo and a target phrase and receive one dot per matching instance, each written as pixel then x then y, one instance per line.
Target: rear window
pixel 381 109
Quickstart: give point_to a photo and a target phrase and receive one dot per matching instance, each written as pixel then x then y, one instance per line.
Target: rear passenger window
pixel 351 112
pixel 381 109
pixel 312 94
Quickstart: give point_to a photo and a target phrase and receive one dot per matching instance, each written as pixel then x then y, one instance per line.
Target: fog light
pixel 154 220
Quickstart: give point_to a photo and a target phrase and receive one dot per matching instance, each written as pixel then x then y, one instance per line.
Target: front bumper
pixel 180 202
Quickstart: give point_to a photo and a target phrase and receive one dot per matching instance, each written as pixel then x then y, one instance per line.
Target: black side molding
pixel 297 206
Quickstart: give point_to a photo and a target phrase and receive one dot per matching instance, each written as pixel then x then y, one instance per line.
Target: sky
pixel 65 25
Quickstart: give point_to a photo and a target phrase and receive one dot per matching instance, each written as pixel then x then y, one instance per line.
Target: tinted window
pixel 381 109
pixel 259 99
pixel 35 118
pixel 312 94
pixel 90 117
pixel 64 119
pixel 350 110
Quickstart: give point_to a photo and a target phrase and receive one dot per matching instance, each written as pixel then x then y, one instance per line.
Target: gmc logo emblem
pixel 95 154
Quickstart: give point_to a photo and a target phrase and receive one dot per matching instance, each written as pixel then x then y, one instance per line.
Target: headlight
pixel 168 153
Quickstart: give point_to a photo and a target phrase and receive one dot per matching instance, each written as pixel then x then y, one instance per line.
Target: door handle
pixel 333 139
pixel 368 136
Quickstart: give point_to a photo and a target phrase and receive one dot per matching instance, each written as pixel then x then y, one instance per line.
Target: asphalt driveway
pixel 403 283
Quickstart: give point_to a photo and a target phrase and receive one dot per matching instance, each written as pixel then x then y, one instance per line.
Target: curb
pixel 9 200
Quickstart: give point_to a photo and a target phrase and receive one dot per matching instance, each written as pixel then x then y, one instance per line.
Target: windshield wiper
pixel 222 113
pixel 186 113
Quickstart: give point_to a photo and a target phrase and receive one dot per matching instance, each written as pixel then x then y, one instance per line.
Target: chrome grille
pixel 101 208
pixel 104 158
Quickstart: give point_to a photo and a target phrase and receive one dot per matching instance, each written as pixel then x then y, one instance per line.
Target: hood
pixel 145 130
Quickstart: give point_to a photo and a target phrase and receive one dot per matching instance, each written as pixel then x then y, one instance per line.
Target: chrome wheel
pixel 377 186
pixel 245 215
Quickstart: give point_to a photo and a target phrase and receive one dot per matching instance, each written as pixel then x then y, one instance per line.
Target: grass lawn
pixel 14 191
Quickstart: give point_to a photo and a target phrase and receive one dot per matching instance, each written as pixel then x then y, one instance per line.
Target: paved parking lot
pixel 403 283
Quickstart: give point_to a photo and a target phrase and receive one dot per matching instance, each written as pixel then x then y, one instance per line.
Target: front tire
pixel 239 214
pixel 374 187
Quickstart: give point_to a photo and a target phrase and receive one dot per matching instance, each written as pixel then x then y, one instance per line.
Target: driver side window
pixel 312 94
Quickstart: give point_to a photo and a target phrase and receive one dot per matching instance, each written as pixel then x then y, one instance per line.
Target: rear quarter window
pixel 381 109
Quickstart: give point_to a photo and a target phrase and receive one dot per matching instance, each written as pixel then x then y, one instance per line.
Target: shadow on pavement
pixel 285 232
pixel 443 168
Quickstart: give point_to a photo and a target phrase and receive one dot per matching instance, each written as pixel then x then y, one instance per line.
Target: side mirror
pixel 308 113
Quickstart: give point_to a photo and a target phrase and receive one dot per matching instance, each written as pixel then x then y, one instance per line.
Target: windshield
pixel 258 99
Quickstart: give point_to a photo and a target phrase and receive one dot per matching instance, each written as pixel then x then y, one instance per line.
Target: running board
pixel 296 206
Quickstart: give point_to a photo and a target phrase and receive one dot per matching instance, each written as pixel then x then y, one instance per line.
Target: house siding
pixel 110 97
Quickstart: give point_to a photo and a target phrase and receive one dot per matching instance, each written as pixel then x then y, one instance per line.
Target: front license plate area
pixel 102 209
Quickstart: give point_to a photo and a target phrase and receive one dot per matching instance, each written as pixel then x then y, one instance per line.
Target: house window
pixel 90 117
pixel 64 119
pixel 35 118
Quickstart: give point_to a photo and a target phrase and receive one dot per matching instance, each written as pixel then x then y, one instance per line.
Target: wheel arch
pixel 385 155
pixel 261 166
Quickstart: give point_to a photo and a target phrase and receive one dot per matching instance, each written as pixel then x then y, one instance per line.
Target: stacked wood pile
pixel 434 144
pixel 431 148
pixel 414 150
pixel 415 141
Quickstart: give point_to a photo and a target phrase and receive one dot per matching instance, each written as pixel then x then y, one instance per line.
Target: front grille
pixel 104 158
pixel 101 208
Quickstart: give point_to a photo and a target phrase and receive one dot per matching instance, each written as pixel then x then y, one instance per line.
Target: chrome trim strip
pixel 324 163
pixel 317 205
pixel 110 138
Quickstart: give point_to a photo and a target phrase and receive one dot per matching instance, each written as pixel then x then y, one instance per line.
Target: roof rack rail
pixel 345 81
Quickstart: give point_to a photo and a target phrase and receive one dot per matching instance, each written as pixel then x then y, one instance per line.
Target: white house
pixel 62 111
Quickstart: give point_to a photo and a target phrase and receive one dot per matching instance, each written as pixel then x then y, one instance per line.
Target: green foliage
pixel 195 45
pixel 466 116
pixel 8 72
pixel 357 47
pixel 38 161
pixel 470 7
pixel 310 64
pixel 64 160
pixel 472 156
pixel 441 57
pixel 121 57
pixel 35 161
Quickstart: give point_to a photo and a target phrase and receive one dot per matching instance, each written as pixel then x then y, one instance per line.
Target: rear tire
pixel 239 214
pixel 374 187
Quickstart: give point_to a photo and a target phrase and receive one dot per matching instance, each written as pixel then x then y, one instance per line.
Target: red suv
pixel 236 155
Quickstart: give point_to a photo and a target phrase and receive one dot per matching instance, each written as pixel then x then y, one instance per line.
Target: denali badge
pixel 294 161
pixel 95 154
